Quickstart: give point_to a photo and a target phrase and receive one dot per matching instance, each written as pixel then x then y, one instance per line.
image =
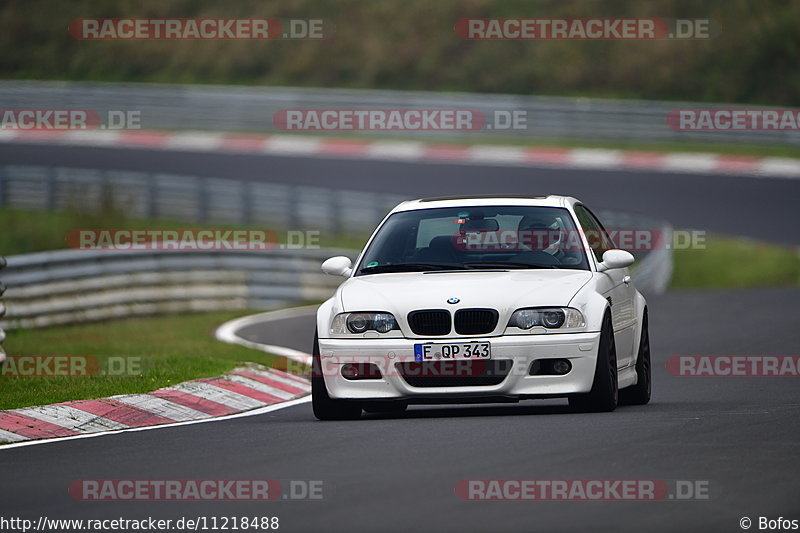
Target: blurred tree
pixel 411 44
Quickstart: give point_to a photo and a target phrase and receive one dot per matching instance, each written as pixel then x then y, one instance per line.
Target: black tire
pixel 604 395
pixel 325 407
pixel 392 408
pixel 639 394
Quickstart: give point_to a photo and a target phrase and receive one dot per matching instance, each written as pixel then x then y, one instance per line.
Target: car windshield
pixel 473 238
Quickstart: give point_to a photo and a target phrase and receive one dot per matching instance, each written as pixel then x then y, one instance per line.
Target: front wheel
pixel 639 394
pixel 325 407
pixel 604 395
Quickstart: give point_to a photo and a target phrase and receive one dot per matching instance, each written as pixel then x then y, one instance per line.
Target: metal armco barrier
pixel 2 310
pixel 66 286
pixel 194 199
pixel 251 109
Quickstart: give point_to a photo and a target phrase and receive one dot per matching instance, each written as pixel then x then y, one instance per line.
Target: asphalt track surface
pixel 398 474
pixel 741 435
pixel 753 207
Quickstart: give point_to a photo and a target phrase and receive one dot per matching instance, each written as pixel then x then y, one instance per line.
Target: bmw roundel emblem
pixel 453 300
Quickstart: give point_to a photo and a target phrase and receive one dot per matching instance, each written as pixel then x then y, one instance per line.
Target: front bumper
pixel 519 350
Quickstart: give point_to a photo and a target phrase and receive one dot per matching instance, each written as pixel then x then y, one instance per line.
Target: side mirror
pixel 338 266
pixel 615 259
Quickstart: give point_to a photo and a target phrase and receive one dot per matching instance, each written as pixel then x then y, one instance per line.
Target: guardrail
pixel 2 311
pixel 194 199
pixel 251 109
pixel 652 271
pixel 66 286
pixel 69 286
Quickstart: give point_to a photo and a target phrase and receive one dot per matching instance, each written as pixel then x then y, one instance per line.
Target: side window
pixel 598 239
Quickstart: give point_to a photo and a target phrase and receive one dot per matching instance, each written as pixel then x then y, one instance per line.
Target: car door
pixel 615 285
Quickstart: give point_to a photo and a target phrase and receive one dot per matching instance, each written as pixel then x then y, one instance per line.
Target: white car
pixel 482 299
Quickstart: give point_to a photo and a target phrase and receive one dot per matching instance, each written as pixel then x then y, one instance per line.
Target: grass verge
pixel 725 262
pixel 37 231
pixel 171 349
pixel 167 350
pixel 733 263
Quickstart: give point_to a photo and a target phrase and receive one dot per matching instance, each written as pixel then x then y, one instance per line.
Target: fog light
pixel 356 371
pixel 550 367
pixel 561 366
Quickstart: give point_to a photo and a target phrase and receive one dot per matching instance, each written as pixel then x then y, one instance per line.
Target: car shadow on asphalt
pixel 478 410
pixel 452 411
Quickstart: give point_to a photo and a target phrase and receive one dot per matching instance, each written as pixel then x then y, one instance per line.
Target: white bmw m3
pixel 482 299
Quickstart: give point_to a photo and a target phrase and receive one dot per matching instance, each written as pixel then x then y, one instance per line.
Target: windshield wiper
pixel 411 267
pixel 504 264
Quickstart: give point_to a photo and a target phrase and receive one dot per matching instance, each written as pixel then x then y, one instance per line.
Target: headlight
pixel 345 323
pixel 358 323
pixel 547 317
pixel 553 319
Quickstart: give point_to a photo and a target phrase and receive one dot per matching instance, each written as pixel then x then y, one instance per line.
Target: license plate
pixel 463 350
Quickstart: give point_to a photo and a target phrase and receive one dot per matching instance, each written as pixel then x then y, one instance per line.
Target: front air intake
pixel 475 321
pixel 429 322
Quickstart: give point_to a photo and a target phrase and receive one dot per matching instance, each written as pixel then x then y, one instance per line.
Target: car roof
pixel 479 200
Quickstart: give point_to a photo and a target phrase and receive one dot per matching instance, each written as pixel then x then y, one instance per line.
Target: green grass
pixel 411 44
pixel 171 349
pixel 726 262
pixel 729 262
pixel 36 231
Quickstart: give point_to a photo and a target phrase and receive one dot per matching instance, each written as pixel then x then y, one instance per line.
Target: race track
pixel 399 474
pixel 754 207
pixel 741 435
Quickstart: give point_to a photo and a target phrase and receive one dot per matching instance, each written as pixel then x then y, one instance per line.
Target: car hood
pixel 501 290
